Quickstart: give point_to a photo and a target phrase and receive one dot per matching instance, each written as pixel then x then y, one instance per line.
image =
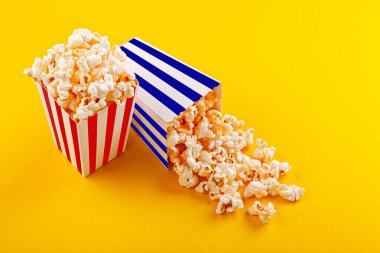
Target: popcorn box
pixel 93 142
pixel 167 88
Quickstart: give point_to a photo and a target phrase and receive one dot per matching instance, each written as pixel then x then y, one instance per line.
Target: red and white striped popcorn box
pixel 91 143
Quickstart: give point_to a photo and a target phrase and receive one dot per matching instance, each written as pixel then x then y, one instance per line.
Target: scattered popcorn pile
pixel 206 150
pixel 85 75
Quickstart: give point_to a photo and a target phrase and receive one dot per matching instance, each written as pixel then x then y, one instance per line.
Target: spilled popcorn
pixel 265 212
pixel 207 151
pixel 85 75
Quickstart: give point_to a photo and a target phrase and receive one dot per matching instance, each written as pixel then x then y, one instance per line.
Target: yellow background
pixel 304 74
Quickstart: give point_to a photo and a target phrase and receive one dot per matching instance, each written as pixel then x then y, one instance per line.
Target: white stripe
pixel 69 137
pixel 101 136
pixel 57 127
pixel 151 141
pixel 130 119
pixel 47 113
pixel 156 106
pixel 152 114
pixel 175 59
pixel 161 85
pixel 116 131
pixel 83 146
pixel 180 76
pixel 150 127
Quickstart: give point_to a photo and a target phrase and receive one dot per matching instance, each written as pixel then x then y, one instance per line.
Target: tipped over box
pixel 167 87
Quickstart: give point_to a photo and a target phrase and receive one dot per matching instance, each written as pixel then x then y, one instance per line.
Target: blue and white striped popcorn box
pixel 167 87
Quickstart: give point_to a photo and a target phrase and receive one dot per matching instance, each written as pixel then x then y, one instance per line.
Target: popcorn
pixel 186 176
pixel 82 65
pixel 255 188
pixel 265 212
pixel 202 187
pixel 228 203
pixel 93 60
pixel 85 75
pixel 263 153
pixel 99 89
pixel 291 193
pixel 272 186
pixel 208 152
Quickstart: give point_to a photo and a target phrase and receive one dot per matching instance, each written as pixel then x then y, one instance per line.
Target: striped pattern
pixel 167 88
pixel 91 143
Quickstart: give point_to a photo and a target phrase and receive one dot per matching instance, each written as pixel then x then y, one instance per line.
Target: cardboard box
pixel 167 88
pixel 93 142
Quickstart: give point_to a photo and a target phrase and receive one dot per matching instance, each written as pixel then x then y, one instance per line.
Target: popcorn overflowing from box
pixel 89 90
pixel 178 115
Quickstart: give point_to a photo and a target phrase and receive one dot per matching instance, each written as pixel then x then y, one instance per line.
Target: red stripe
pixel 92 140
pixel 109 131
pixel 127 113
pixel 74 133
pixel 62 126
pixel 47 102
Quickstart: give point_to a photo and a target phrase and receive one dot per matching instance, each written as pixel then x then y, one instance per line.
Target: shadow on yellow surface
pixel 304 74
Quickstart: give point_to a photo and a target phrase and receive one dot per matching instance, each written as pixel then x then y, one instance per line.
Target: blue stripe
pixel 151 121
pixel 160 96
pixel 152 135
pixel 203 79
pixel 191 94
pixel 149 145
